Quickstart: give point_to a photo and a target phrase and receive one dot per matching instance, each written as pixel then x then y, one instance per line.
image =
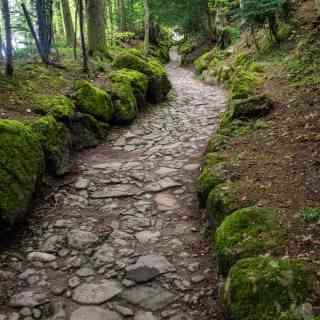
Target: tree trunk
pixel 318 5
pixel 146 27
pixel 7 23
pixel 58 22
pixel 1 45
pixel 123 16
pixel 67 19
pixel 96 26
pixel 83 42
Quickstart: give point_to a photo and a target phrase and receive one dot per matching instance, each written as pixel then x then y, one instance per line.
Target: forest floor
pixel 123 236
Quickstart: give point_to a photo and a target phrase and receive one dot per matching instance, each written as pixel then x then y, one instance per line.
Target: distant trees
pixel 68 23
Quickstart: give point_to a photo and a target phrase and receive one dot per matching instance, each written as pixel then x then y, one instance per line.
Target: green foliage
pixel 123 36
pixel 310 214
pixel 262 288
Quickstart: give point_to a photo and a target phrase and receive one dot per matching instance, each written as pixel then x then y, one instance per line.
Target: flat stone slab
pixel 28 299
pixel 93 293
pixel 79 239
pixel 166 200
pixel 149 298
pixel 104 255
pixel 145 237
pixel 142 315
pixel 117 191
pixel 94 313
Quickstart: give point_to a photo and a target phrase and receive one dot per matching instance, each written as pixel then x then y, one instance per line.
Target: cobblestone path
pixel 124 239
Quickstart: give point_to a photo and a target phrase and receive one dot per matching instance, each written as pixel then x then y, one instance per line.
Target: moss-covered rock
pixel 86 131
pixel 262 288
pixel 219 143
pixel 246 233
pixel 251 108
pixel 60 107
pixel 159 85
pixel 223 200
pixel 21 166
pixel 125 103
pixel 211 176
pixel 137 80
pixel 94 101
pixel 56 142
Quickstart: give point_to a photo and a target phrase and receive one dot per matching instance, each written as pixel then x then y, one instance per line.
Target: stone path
pixel 123 240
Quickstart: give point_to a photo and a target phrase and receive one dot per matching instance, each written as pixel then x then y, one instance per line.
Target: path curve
pixel 123 239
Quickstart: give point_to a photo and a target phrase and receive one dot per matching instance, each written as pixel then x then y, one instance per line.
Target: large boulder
pixel 137 80
pixel 56 142
pixel 94 101
pixel 159 84
pixel 86 131
pixel 246 233
pixel 262 288
pixel 125 103
pixel 21 166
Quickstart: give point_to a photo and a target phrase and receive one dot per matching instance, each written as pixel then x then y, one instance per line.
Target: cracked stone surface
pixel 122 237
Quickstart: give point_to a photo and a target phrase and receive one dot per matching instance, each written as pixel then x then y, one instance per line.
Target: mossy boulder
pixel 94 101
pixel 21 166
pixel 211 176
pixel 60 107
pixel 202 63
pixel 251 108
pixel 159 84
pixel 223 200
pixel 86 131
pixel 262 288
pixel 137 80
pixel 246 233
pixel 125 103
pixel 56 142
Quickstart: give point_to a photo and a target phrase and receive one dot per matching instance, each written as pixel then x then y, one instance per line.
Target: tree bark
pixel 83 42
pixel 68 24
pixel 1 45
pixel 7 23
pixel 123 16
pixel 96 26
pixel 146 27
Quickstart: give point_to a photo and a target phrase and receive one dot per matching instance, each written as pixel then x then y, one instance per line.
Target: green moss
pixel 127 60
pixel 125 103
pixel 94 101
pixel 56 143
pixel 262 288
pixel 137 80
pixel 157 69
pixel 222 201
pixel 202 63
pixel 212 158
pixel 61 107
pixel 245 233
pixel 219 143
pixel 21 165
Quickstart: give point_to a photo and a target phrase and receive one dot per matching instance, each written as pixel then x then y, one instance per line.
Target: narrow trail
pixel 124 239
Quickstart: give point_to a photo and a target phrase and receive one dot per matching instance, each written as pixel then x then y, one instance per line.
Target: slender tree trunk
pixel 111 20
pixel 146 27
pixel 212 24
pixel 7 23
pixel 1 44
pixel 58 21
pixel 83 42
pixel 96 26
pixel 75 31
pixel 123 16
pixel 68 24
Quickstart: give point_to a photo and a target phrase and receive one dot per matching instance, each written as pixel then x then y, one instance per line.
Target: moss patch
pixel 94 101
pixel 223 200
pixel 125 103
pixel 263 288
pixel 137 80
pixel 127 60
pixel 56 143
pixel 22 162
pixel 219 143
pixel 246 233
pixel 61 107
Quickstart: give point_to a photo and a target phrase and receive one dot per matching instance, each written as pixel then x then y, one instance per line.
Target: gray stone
pixel 79 239
pixel 93 293
pixel 52 244
pixel 73 282
pixel 58 310
pixel 123 310
pixel 94 313
pixel 181 316
pixel 81 183
pixel 85 272
pixel 163 171
pixel 149 298
pixel 166 200
pixel 41 257
pixel 148 267
pixel 142 315
pixel 28 299
pixel 117 191
pixel 145 237
pixel 104 255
